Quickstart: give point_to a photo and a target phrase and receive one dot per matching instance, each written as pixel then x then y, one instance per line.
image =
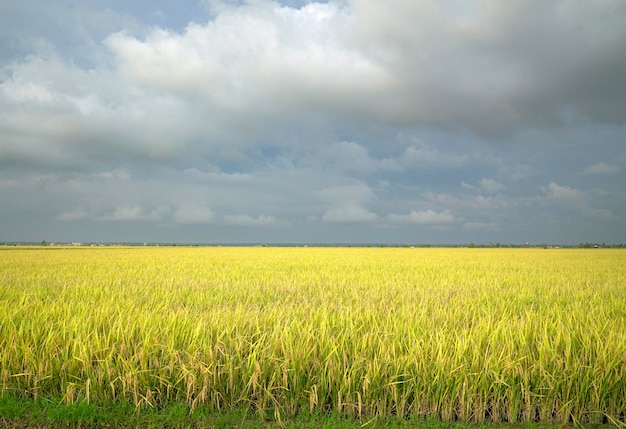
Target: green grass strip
pixel 47 414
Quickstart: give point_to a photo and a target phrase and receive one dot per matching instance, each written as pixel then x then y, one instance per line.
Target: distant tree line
pixel 587 245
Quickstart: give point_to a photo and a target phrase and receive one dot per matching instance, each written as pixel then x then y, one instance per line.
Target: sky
pixel 294 121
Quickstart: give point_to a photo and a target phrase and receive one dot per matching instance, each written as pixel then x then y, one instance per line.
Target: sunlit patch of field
pixel 455 334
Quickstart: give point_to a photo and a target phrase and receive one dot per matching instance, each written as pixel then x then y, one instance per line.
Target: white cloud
pixel 601 168
pixel 352 157
pixel 566 193
pixel 7 183
pixel 491 186
pixel 348 194
pixel 482 226
pixel 488 185
pixel 475 204
pixel 190 214
pixel 246 220
pixel 252 53
pixel 28 92
pixel 425 217
pixel 130 213
pixel 116 174
pixel 73 215
pixel 575 199
pixel 425 156
pixel 350 213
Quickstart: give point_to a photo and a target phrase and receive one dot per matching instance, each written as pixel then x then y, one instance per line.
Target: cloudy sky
pixel 347 121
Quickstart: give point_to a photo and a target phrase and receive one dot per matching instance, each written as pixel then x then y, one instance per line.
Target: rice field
pixel 507 335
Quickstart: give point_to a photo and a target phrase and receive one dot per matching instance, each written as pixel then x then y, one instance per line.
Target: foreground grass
pixel 516 335
pixel 17 413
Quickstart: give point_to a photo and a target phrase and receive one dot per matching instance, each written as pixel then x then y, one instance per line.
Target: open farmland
pixel 456 334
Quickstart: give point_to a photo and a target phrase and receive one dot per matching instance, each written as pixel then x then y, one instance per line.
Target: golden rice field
pixel 455 334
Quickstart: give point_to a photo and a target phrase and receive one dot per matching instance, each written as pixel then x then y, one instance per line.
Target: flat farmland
pixel 504 335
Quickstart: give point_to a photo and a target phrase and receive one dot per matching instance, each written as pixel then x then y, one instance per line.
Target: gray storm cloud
pixel 399 117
